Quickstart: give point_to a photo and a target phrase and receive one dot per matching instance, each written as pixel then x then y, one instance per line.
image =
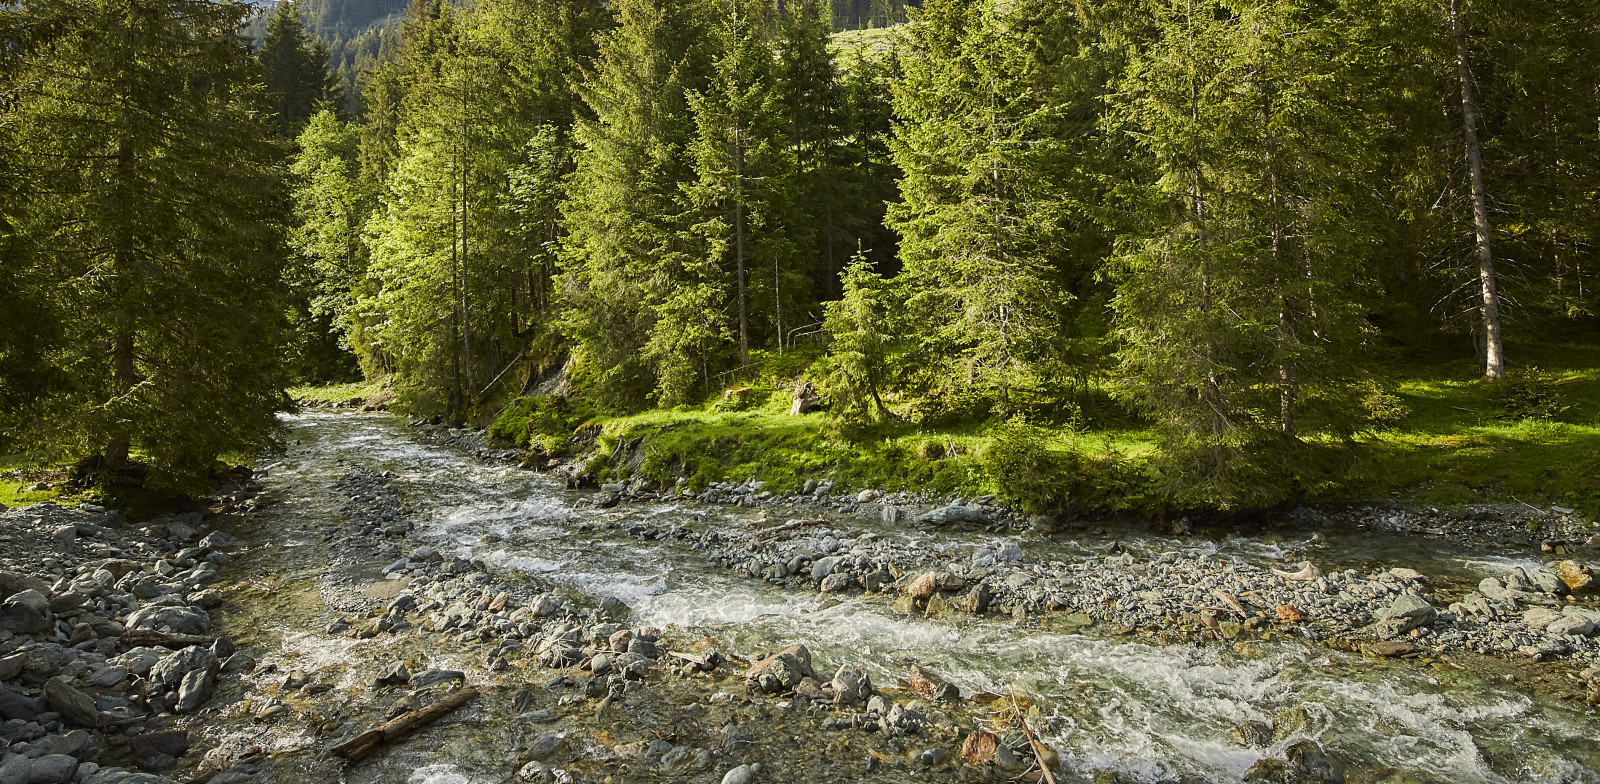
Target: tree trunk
pixel 466 315
pixel 1494 349
pixel 738 246
pixel 124 375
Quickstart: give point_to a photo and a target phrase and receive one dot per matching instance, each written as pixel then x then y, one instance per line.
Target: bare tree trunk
pixel 1494 349
pixel 466 315
pixel 738 245
pixel 124 375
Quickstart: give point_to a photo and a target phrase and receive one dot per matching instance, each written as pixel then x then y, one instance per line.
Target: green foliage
pixel 1528 393
pixel 861 324
pixel 1383 407
pixel 294 68
pixel 539 420
pixel 150 232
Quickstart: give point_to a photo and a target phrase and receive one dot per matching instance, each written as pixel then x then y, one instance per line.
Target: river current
pixel 1150 713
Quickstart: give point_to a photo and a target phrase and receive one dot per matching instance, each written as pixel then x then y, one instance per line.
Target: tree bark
pixel 1494 349
pixel 124 375
pixel 738 245
pixel 362 746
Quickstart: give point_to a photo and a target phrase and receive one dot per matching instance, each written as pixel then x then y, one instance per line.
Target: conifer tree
pixel 295 69
pixel 628 248
pixel 156 220
pixel 330 210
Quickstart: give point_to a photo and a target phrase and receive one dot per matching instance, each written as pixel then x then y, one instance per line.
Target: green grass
pixel 18 472
pixel 337 393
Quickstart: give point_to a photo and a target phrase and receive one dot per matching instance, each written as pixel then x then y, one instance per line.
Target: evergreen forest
pixel 1148 256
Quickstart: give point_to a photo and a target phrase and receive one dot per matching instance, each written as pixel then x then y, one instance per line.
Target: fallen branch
pixel 1233 604
pixel 1033 743
pixel 134 638
pixel 367 742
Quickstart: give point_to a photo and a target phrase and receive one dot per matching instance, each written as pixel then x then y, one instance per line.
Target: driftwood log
pixel 361 746
pixel 134 638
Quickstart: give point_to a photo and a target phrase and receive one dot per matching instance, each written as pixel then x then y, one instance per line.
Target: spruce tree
pixel 628 246
pixel 295 70
pixel 156 220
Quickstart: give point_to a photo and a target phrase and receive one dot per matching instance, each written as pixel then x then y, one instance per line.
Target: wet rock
pixel 1266 770
pixel 835 583
pixel 979 748
pixel 426 678
pixel 923 586
pixel 158 751
pixel 744 774
pixel 545 746
pixel 781 671
pixel 955 513
pixel 72 704
pixel 1310 761
pixel 1253 734
pixel 931 686
pixel 1392 648
pixel 393 675
pixel 851 685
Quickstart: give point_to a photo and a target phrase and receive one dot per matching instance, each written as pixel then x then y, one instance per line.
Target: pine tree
pixel 1238 291
pixel 156 222
pixel 992 115
pixel 745 167
pixel 295 69
pixel 628 247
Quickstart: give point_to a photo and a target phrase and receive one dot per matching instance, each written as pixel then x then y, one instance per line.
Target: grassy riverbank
pixel 1445 438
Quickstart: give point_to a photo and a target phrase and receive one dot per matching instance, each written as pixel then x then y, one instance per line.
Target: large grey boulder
pixel 24 613
pixel 955 513
pixel 1406 612
pixel 73 705
pixel 172 669
pixel 53 769
pixel 181 620
pixel 194 689
pixel 15 769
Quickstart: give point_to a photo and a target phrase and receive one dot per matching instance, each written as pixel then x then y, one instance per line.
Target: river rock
pixel 107 676
pixel 954 513
pixel 53 769
pixel 834 583
pixel 979 748
pixel 1405 613
pixel 1253 734
pixel 13 583
pixel 158 751
pixel 1578 577
pixel 20 614
pixel 825 566
pixel 182 620
pixel 11 666
pixel 929 685
pixel 176 666
pixel 15 705
pixel 744 774
pixel 1540 617
pixel 72 704
pixel 1571 624
pixel 923 586
pixel 1311 762
pixel 194 689
pixel 15 769
pixel 851 685
pixel 426 678
pixel 393 675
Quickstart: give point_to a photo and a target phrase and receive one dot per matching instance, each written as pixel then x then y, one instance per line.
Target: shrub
pixel 538 420
pixel 1383 408
pixel 1528 393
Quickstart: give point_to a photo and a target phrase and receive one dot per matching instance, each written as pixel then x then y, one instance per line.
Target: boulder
pixel 835 583
pixel 930 686
pixel 851 685
pixel 73 705
pixel 954 513
pixel 1578 577
pixel 158 751
pixel 20 615
pixel 181 620
pixel 1406 612
pixel 12 583
pixel 15 769
pixel 53 769
pixel 194 689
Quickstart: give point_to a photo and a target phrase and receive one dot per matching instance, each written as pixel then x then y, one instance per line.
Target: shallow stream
pixel 1149 713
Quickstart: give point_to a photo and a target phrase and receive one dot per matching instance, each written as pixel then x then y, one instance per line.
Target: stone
pixel 1549 582
pixel 107 676
pixel 426 678
pixel 835 583
pixel 1253 734
pixel 954 513
pixel 77 743
pixel 393 675
pixel 825 566
pixel 72 704
pixel 545 746
pixel 1392 648
pixel 1578 577
pixel 980 747
pixel 182 620
pixel 1571 624
pixel 194 689
pixel 15 769
pixel 13 583
pixel 744 774
pixel 158 751
pixel 11 666
pixel 930 686
pixel 851 685
pixel 1405 613
pixel 20 617
pixel 176 666
pixel 53 769
pixel 1540 617
pixel 1311 762
pixel 923 586
pixel 16 706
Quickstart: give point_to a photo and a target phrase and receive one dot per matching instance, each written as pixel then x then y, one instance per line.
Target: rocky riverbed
pixel 631 634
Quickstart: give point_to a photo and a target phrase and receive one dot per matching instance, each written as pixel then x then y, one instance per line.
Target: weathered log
pixel 135 638
pixel 367 742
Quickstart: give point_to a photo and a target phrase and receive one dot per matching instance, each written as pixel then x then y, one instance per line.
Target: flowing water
pixel 1150 713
